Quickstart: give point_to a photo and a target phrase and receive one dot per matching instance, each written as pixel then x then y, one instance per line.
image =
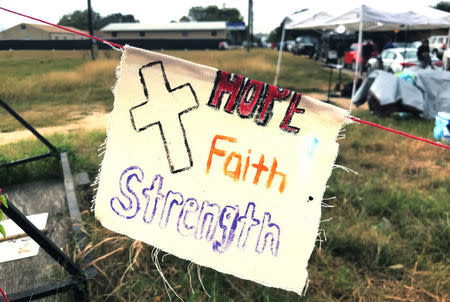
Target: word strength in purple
pixel 223 226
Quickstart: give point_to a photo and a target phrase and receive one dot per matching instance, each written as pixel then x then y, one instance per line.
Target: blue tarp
pixel 429 95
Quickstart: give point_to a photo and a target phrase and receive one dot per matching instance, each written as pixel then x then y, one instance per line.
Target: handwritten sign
pixel 213 167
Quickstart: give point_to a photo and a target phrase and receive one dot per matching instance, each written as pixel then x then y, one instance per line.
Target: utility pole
pixel 91 32
pixel 250 24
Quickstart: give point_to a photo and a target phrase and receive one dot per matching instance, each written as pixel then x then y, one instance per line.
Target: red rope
pixel 3 294
pixel 398 132
pixel 120 46
pixel 63 27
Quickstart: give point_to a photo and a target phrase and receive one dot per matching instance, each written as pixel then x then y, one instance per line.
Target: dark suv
pixel 333 45
pixel 305 46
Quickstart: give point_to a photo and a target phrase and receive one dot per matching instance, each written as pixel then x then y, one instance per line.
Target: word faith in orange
pixel 239 174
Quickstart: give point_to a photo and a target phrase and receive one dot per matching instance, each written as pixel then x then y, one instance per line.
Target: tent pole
pixel 358 56
pixel 404 47
pixel 277 72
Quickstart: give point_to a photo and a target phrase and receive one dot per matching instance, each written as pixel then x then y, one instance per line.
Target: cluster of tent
pixel 369 19
pixel 365 18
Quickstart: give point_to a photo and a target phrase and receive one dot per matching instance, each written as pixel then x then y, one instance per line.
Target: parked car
pixel 305 46
pixel 446 57
pixel 401 44
pixel 287 45
pixel 332 46
pixel 254 44
pixel 396 59
pixel 415 44
pixel 350 56
pixel 438 45
pixel 223 45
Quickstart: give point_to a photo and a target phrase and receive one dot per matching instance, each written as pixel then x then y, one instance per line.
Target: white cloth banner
pixel 212 167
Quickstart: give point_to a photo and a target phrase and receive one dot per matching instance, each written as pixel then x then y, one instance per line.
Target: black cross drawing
pixel 164 107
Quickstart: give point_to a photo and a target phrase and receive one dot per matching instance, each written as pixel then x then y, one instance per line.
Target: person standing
pixel 367 51
pixel 423 54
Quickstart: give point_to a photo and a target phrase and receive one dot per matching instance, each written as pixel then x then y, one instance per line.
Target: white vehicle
pixel 396 59
pixel 415 44
pixel 438 44
pixel 446 58
pixel 289 45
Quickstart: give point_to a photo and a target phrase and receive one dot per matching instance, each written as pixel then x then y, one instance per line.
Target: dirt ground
pixel 98 120
pixel 94 121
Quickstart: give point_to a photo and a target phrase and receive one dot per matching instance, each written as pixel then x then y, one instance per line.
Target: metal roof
pixel 236 26
pixel 217 25
pixel 49 28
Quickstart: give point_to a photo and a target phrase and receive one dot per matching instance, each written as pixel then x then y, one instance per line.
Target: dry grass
pixel 297 72
pixel 233 60
pixel 99 73
pixel 69 94
pixel 73 85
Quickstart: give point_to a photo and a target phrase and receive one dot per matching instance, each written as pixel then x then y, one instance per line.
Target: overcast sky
pixel 267 14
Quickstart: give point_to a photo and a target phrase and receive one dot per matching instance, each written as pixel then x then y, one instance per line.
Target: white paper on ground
pixel 22 247
pixel 215 168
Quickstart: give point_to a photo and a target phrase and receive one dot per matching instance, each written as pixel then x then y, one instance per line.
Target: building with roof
pixel 172 31
pixel 31 31
pixel 236 32
pixel 174 35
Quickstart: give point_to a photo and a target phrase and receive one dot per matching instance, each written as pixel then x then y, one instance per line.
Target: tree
pixel 292 34
pixel 117 18
pixel 213 13
pixel 79 19
pixel 275 34
pixel 443 5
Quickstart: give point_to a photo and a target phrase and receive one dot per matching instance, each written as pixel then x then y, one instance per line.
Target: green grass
pixel 81 147
pixel 388 239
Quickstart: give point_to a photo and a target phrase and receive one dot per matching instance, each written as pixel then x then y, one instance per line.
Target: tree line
pixel 79 18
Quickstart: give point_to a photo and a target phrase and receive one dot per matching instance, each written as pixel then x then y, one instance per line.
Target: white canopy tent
pixel 374 19
pixel 365 18
pixel 296 20
pixel 309 17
